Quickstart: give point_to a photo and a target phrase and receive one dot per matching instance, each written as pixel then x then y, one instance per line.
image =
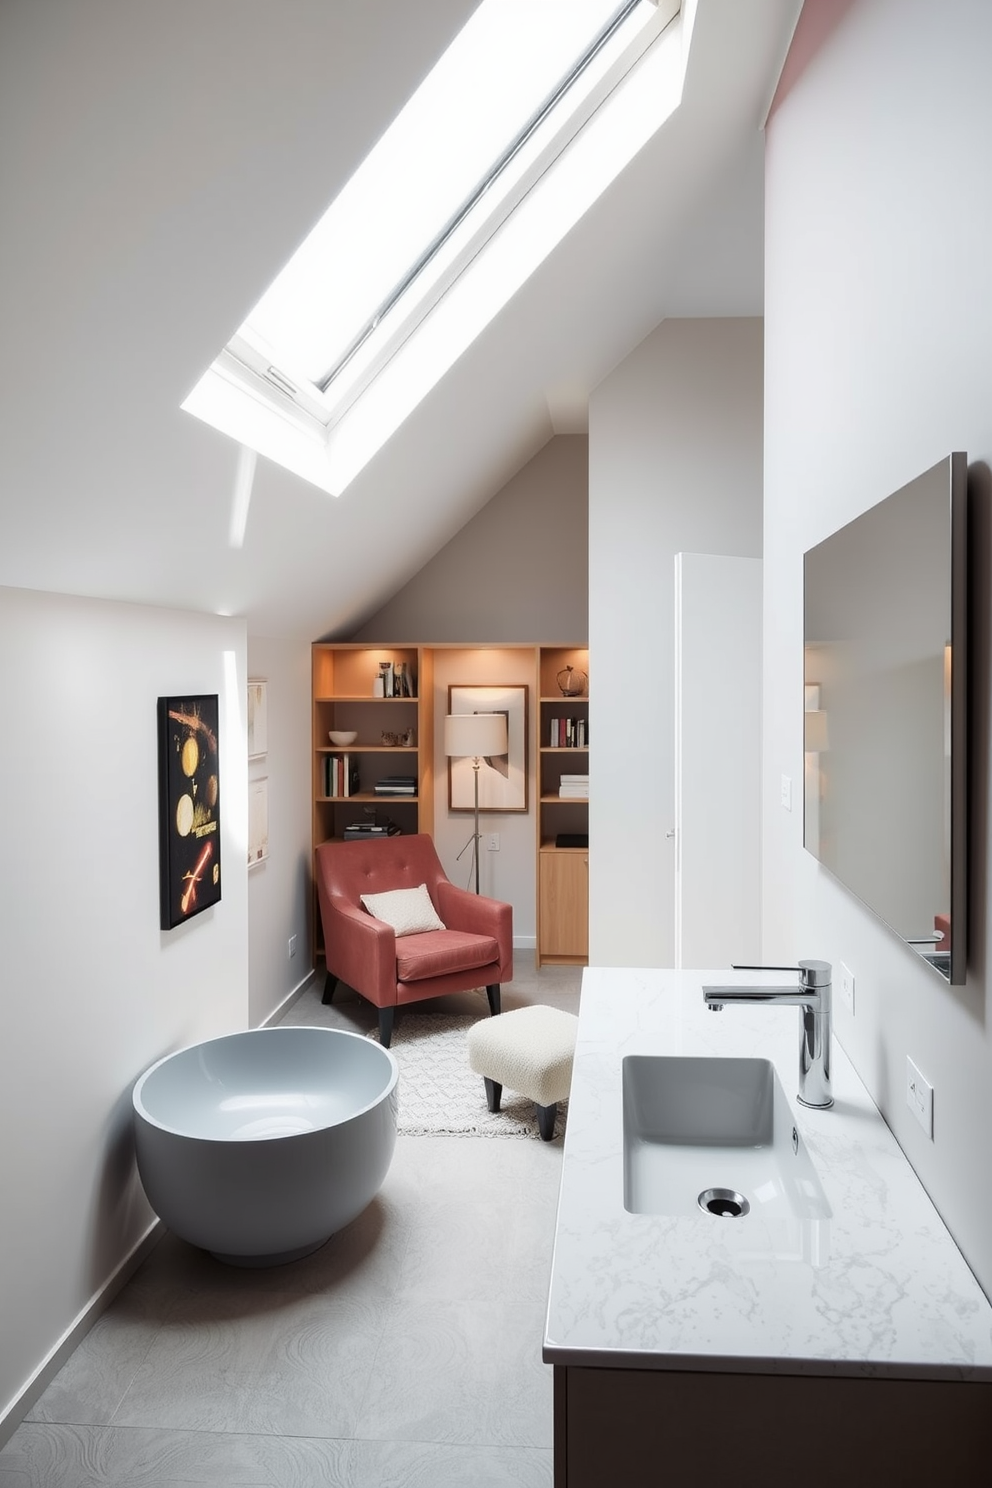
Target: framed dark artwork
pixel 189 807
pixel 503 778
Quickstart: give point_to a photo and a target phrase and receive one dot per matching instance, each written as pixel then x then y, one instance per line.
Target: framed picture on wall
pixel 189 806
pixel 258 821
pixel 502 778
pixel 258 718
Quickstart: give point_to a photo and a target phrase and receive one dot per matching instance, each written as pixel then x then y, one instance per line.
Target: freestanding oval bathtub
pixel 258 1146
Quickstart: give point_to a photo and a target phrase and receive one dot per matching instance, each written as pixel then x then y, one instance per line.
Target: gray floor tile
pixel 447 1371
pixel 279 1363
pixel 427 1465
pixel 110 1457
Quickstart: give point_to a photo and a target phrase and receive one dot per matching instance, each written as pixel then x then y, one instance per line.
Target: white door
pixel 717 759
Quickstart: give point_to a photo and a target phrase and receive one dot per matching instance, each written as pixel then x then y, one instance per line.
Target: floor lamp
pixel 474 736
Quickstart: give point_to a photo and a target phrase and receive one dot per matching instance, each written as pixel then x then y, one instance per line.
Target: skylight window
pixel 326 365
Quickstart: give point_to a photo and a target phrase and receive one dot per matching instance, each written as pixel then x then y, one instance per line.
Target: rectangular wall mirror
pixel 885 778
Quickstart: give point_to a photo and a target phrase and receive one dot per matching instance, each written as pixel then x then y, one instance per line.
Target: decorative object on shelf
pixel 404 685
pixel 475 736
pixel 258 714
pixel 258 821
pixel 572 682
pixel 342 737
pixel 389 738
pixel 189 807
pixel 408 738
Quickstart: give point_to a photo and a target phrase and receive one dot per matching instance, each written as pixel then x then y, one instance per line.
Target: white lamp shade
pixel 476 734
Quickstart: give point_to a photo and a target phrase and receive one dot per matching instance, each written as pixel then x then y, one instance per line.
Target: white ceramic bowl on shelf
pixel 341 737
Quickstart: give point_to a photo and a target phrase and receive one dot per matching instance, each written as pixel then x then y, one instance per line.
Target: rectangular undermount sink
pixel 691 1125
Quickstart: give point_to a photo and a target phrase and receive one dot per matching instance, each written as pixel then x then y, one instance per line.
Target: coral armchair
pixel 475 947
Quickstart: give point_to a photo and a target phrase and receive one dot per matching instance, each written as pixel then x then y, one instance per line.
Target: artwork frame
pixel 258 821
pixel 503 786
pixel 189 806
pixel 258 717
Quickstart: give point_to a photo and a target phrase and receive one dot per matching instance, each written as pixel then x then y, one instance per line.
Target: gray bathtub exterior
pixel 258 1146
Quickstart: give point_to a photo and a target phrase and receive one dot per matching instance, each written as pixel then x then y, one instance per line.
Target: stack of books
pixel 364 829
pixel 396 785
pixel 574 787
pixel 568 733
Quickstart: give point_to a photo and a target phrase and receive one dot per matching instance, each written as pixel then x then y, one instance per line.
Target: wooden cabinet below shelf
pixel 563 927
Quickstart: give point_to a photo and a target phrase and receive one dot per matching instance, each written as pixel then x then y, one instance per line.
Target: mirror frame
pixel 950 965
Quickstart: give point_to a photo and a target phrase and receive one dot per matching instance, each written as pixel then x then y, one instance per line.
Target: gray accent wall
pixel 518 571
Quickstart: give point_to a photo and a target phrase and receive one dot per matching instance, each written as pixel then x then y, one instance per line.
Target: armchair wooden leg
pixel 386 1026
pixel 330 987
pixel 546 1121
pixel 493 994
pixel 494 1093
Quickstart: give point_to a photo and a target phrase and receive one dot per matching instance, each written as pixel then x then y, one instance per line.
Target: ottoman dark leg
pixel 546 1121
pixel 494 1094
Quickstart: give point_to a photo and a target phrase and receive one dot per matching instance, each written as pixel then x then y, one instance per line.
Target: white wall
pixel 279 887
pixel 93 990
pixel 674 464
pixel 878 330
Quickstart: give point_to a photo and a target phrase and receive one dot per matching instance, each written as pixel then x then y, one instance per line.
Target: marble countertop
pixel 879 1288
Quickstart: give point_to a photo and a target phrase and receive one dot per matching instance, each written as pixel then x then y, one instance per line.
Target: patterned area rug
pixel 440 1095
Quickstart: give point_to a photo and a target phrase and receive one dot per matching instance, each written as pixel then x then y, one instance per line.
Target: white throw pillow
pixel 409 911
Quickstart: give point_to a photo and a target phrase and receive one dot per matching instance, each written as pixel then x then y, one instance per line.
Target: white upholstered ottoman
pixel 529 1050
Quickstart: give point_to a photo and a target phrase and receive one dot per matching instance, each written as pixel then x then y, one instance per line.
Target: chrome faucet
pixel 813 999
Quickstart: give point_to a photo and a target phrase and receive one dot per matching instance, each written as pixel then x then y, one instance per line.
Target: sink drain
pixel 723 1202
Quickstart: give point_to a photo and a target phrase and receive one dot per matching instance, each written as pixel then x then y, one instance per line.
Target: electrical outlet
pixel 847 987
pixel 492 842
pixel 292 946
pixel 919 1097
pixel 787 792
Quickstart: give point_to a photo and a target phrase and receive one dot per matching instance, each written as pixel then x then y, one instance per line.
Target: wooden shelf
pixel 562 872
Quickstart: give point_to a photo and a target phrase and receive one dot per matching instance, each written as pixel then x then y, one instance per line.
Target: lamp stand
pixel 473 841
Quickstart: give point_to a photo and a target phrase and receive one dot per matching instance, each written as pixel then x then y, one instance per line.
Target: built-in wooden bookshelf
pixel 562 870
pixel 344 699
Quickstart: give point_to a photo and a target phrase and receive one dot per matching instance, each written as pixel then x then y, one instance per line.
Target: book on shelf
pixel 573 792
pixel 574 779
pixel 370 830
pixel 396 785
pixel 341 776
pixel 568 733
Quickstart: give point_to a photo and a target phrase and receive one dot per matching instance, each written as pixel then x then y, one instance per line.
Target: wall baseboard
pixel 287 1002
pixel 525 942
pixel 15 1411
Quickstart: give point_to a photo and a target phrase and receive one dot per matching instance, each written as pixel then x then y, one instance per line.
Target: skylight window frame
pixel 569 125
pixel 336 447
pixel 326 401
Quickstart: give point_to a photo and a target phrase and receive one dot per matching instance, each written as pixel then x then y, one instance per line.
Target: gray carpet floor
pixel 406 1352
